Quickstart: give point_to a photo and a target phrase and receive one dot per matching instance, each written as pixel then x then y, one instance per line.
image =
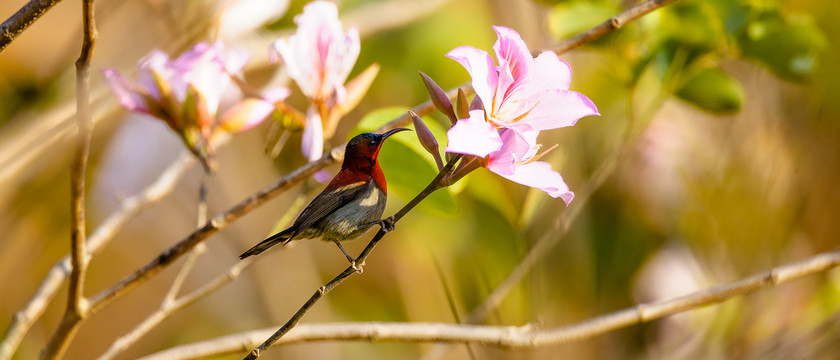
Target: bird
pixel 352 202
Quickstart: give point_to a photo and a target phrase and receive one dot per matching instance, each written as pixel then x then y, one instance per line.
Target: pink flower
pixel 186 92
pixel 522 93
pixel 515 158
pixel 319 57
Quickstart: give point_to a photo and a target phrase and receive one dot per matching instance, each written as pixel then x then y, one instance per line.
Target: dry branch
pixel 77 305
pixel 507 336
pixel 22 19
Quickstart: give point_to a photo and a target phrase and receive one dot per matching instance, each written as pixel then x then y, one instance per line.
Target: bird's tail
pixel 281 237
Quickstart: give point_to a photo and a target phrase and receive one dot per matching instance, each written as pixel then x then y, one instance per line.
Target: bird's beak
pixel 392 132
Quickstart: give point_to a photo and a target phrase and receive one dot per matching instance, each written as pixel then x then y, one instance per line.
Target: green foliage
pixel 685 44
pixel 407 165
pixel 787 45
pixel 713 90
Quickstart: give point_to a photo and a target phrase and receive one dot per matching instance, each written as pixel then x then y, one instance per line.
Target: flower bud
pixel 439 98
pixel 463 110
pixel 427 139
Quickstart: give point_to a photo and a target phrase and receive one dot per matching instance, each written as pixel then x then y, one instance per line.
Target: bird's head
pixel 365 147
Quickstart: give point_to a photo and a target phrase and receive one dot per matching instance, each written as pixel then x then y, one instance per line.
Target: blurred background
pixel 719 118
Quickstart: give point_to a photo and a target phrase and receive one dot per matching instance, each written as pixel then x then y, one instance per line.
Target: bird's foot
pixel 388 224
pixel 358 267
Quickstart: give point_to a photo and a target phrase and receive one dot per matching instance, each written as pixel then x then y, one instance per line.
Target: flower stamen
pixel 536 157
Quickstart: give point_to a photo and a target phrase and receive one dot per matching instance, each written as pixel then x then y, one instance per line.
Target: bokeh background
pixel 720 118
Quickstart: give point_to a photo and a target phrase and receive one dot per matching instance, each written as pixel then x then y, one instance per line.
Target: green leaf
pixel 407 166
pixel 787 45
pixel 712 89
pixel 573 17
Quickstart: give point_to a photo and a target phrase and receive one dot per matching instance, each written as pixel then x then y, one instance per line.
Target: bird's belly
pixel 352 220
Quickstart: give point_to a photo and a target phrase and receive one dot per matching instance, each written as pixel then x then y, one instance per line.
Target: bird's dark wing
pixel 327 202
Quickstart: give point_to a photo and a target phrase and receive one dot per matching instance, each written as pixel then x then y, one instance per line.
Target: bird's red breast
pixel 352 176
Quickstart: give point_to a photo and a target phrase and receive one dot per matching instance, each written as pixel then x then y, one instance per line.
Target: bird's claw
pixel 359 268
pixel 388 224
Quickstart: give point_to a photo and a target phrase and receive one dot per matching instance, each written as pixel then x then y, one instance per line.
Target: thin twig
pixel 612 24
pixel 22 19
pixel 77 305
pixel 508 336
pixel 323 290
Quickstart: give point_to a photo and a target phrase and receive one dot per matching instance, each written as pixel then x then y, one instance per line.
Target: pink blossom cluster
pixel 516 99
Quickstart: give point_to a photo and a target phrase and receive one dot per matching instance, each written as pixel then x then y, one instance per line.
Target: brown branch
pixel 350 270
pixel 77 306
pixel 22 19
pixel 513 337
pixel 612 24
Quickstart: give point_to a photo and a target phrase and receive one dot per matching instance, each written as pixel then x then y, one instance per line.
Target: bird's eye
pixel 372 142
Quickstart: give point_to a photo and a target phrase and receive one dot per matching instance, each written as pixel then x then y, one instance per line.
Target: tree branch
pixel 77 306
pixel 513 337
pixel 612 24
pixel 17 23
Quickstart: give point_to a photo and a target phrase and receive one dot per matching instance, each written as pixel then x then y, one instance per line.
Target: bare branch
pixel 17 23
pixel 507 336
pixel 612 24
pixel 77 306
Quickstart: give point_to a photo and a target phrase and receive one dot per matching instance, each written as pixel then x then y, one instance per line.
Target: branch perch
pixel 513 337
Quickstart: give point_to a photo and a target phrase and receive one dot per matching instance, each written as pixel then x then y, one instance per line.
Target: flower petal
pixel 312 143
pixel 480 66
pixel 540 175
pixel 551 72
pixel 513 55
pixel 320 56
pixel 128 97
pixel 556 109
pixel 473 136
pixel 246 114
pixel 515 147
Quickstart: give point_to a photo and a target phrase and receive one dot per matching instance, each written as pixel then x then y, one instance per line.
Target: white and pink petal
pixel 127 96
pixel 473 136
pixel 480 67
pixel 312 142
pixel 540 175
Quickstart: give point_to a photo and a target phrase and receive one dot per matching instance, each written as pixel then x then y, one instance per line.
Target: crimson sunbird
pixel 351 203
